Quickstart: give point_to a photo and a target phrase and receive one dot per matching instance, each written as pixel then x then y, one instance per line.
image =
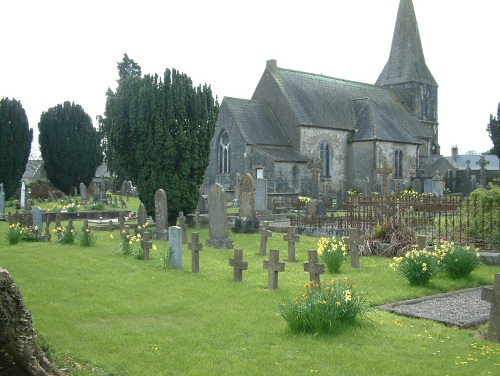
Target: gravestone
pixel 247 203
pixel 2 202
pixel 142 216
pixel 261 195
pixel 482 162
pixel 385 171
pixel 147 244
pixel 175 246
pixel 366 187
pixel 238 265
pixel 273 266
pixel 195 247
pixel 492 295
pixel 217 219
pixel 437 185
pixel 291 239
pixel 48 235
pixel 197 219
pixel 27 206
pixel 467 186
pixel 97 193
pixel 315 206
pixel 83 191
pixel 417 186
pixel 264 234
pixel 237 188
pixel 313 267
pixel 181 220
pixel 428 186
pixel 353 242
pixel 38 221
pixel 110 225
pixel 22 199
pixel 161 215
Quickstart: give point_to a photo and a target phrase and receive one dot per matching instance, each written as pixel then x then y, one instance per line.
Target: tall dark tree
pixel 494 132
pixel 70 146
pixel 15 144
pixel 158 132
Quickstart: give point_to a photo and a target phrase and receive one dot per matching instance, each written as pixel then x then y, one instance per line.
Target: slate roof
pixel 460 162
pixel 284 154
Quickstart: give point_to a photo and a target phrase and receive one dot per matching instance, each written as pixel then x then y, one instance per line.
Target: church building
pixel 353 128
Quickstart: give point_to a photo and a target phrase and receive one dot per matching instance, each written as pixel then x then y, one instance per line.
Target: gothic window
pixel 325 156
pixel 223 156
pixel 398 163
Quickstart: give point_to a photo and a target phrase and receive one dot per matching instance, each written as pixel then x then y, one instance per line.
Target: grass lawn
pixel 112 314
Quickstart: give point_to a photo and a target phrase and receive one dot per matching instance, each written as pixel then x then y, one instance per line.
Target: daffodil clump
pixel 333 252
pixel 29 234
pixel 324 307
pixel 86 238
pixel 64 235
pixel 417 266
pixel 14 235
pixel 457 260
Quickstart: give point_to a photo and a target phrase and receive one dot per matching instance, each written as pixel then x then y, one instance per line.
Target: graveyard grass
pixel 125 316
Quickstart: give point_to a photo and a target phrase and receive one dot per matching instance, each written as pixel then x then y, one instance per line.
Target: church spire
pixel 406 62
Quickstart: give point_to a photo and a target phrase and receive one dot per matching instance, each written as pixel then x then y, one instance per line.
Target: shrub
pixel 457 260
pixel 333 252
pixel 96 206
pixel 86 239
pixel 64 236
pixel 14 234
pixel 323 308
pixel 417 266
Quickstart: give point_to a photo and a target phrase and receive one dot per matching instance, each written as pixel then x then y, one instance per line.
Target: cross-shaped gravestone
pixel 482 170
pixel 492 294
pixel 146 245
pixel 121 221
pixel 353 242
pixel 195 248
pixel 385 171
pixel 313 267
pixel 273 266
pixel 315 166
pixel 291 238
pixel 182 224
pixel 48 235
pixel 264 234
pixel 197 219
pixel 238 265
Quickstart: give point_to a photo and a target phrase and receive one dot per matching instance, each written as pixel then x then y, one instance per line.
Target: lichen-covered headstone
pixel 38 221
pixel 217 219
pixel 83 191
pixel 247 203
pixel 161 215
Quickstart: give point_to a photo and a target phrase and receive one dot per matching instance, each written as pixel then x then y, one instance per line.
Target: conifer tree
pixel 494 132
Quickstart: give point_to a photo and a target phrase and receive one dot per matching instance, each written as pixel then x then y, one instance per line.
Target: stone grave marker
pixel 70 227
pixel 142 216
pixel 38 221
pixel 147 244
pixel 27 205
pixel 264 234
pixel 437 185
pixel 2 202
pixel 181 220
pixel 110 225
pixel 217 219
pixel 386 171
pixel 238 265
pixel 22 199
pixel 261 195
pixel 237 188
pixel 195 247
pixel 417 185
pixel 428 185
pixel 161 215
pixel 83 191
pixel 247 203
pixel 313 267
pixel 482 162
pixel 273 266
pixel 85 226
pixel 492 294
pixel 291 239
pixel 197 219
pixel 353 242
pixel 48 235
pixel 175 246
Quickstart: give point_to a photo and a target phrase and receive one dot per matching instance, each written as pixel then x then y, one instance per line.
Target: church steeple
pixel 407 73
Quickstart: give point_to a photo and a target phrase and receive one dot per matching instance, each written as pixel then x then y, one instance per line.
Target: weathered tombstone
pixel 467 186
pixel 237 188
pixel 161 215
pixel 175 246
pixel 482 162
pixel 22 197
pixel 264 234
pixel 247 203
pixel 146 245
pixel 492 295
pixel 97 193
pixel 83 191
pixel 27 205
pixel 110 225
pixel 70 227
pixel 195 247
pixel 366 187
pixel 85 226
pixel 273 266
pixel 218 226
pixel 417 185
pixel 48 235
pixel 428 185
pixel 197 219
pixel 386 171
pixel 181 220
pixel 2 202
pixel 121 221
pixel 437 185
pixel 315 206
pixel 261 195
pixel 353 242
pixel 422 241
pixel 238 265
pixel 313 267
pixel 291 239
pixel 142 216
pixel 38 221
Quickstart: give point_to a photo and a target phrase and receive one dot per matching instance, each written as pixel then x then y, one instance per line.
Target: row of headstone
pixel 251 195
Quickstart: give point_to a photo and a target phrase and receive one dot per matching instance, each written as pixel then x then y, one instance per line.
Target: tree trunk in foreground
pixel 20 354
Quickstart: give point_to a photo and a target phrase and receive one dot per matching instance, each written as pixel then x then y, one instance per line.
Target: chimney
pixel 271 64
pixel 454 153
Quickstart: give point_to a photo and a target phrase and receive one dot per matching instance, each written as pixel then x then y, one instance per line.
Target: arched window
pixel 325 156
pixel 398 163
pixel 224 146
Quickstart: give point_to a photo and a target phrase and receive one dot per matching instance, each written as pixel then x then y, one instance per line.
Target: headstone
pixel 48 235
pixel 217 219
pixel 197 219
pixel 83 191
pixel 386 171
pixel 195 247
pixel 247 203
pixel 417 186
pixel 70 227
pixel 2 202
pixel 437 185
pixel 142 216
pixel 237 188
pixel 37 220
pixel 175 246
pixel 264 234
pixel 22 197
pixel 467 186
pixel 181 220
pixel 273 266
pixel 315 166
pixel 353 242
pixel 313 267
pixel 97 193
pixel 482 162
pixel 147 244
pixel 492 295
pixel 366 187
pixel 291 239
pixel 110 225
pixel 238 265
pixel 161 215
pixel 27 206
pixel 428 186
pixel 261 195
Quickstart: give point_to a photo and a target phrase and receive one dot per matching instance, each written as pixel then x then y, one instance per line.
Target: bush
pixel 457 260
pixel 417 266
pixel 323 308
pixel 333 252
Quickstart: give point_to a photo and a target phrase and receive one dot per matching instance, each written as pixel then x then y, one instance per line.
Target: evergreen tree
pixel 15 144
pixel 494 132
pixel 70 146
pixel 157 132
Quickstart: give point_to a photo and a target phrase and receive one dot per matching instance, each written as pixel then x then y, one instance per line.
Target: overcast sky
pixel 66 50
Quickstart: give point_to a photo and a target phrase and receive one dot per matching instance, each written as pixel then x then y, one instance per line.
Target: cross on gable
pixel 264 234
pixel 492 294
pixel 273 266
pixel 195 247
pixel 238 265
pixel 313 267
pixel 291 239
